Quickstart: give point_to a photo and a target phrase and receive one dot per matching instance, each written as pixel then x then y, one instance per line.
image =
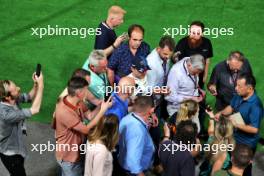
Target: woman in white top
pixel 100 143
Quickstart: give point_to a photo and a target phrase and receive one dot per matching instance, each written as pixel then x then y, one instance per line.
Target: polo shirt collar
pixel 252 98
pixel 68 104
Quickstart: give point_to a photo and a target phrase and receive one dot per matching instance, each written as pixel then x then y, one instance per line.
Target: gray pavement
pixel 45 164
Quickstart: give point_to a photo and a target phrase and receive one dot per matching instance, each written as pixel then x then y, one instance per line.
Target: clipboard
pixel 238 118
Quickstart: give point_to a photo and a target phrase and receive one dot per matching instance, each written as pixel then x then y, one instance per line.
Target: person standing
pixel 12 117
pixel 249 106
pixel 107 40
pixel 136 148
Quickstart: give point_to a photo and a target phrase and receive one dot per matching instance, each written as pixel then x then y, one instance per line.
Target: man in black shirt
pixel 195 43
pixel 223 78
pixel 108 40
pixel 174 155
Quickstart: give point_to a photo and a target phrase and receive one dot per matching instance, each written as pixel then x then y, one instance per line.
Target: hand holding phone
pixel 38 70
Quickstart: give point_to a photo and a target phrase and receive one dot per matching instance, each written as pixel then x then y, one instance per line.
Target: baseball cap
pixel 140 64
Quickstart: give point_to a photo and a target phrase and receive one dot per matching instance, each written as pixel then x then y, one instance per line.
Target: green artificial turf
pixel 60 55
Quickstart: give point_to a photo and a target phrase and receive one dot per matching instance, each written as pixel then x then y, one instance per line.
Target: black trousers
pixel 14 164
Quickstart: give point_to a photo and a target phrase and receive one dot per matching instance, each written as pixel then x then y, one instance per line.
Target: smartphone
pixel 125 35
pixel 38 70
pixel 107 96
pixel 208 108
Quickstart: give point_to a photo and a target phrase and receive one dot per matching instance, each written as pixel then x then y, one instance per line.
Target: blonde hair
pixel 116 10
pixel 223 135
pixel 188 109
pixel 106 131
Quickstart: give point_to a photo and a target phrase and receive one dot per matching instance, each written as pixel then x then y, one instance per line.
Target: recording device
pixel 107 96
pixel 208 108
pixel 38 70
pixel 125 36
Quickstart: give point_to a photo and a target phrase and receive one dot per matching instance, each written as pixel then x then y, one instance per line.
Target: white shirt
pixel 182 84
pixel 142 85
pixel 98 161
pixel 155 76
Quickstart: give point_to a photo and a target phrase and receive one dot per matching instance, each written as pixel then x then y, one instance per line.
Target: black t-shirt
pixel 107 37
pixel 222 77
pixel 176 162
pixel 205 48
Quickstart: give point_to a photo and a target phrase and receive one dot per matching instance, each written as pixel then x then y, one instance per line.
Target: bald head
pixel 127 85
pixel 127 81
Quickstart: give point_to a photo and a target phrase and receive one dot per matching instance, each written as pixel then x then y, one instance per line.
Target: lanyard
pixel 193 80
pixel 231 75
pixel 139 120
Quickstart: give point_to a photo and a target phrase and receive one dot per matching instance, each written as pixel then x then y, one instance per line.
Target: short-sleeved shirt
pixel 98 82
pixel 251 111
pixel 119 107
pixel 205 48
pixel 106 38
pixel 222 77
pixel 67 117
pixel 121 60
pixel 175 163
pixel 11 124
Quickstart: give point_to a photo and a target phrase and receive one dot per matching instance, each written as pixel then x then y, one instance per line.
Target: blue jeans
pixel 71 169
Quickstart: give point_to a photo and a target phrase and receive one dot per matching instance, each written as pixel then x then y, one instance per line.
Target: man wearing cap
pixel 108 40
pixel 183 82
pixel 139 70
pixel 120 62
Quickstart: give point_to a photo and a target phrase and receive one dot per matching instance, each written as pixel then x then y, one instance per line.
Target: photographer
pixel 12 116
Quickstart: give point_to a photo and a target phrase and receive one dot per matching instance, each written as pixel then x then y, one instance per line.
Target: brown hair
pixel 106 131
pixel 4 92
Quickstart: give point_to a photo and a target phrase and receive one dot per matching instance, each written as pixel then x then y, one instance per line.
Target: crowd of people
pixel 163 88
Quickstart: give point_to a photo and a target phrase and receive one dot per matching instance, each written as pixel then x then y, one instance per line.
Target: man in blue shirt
pixel 249 105
pixel 135 144
pixel 121 98
pixel 120 62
